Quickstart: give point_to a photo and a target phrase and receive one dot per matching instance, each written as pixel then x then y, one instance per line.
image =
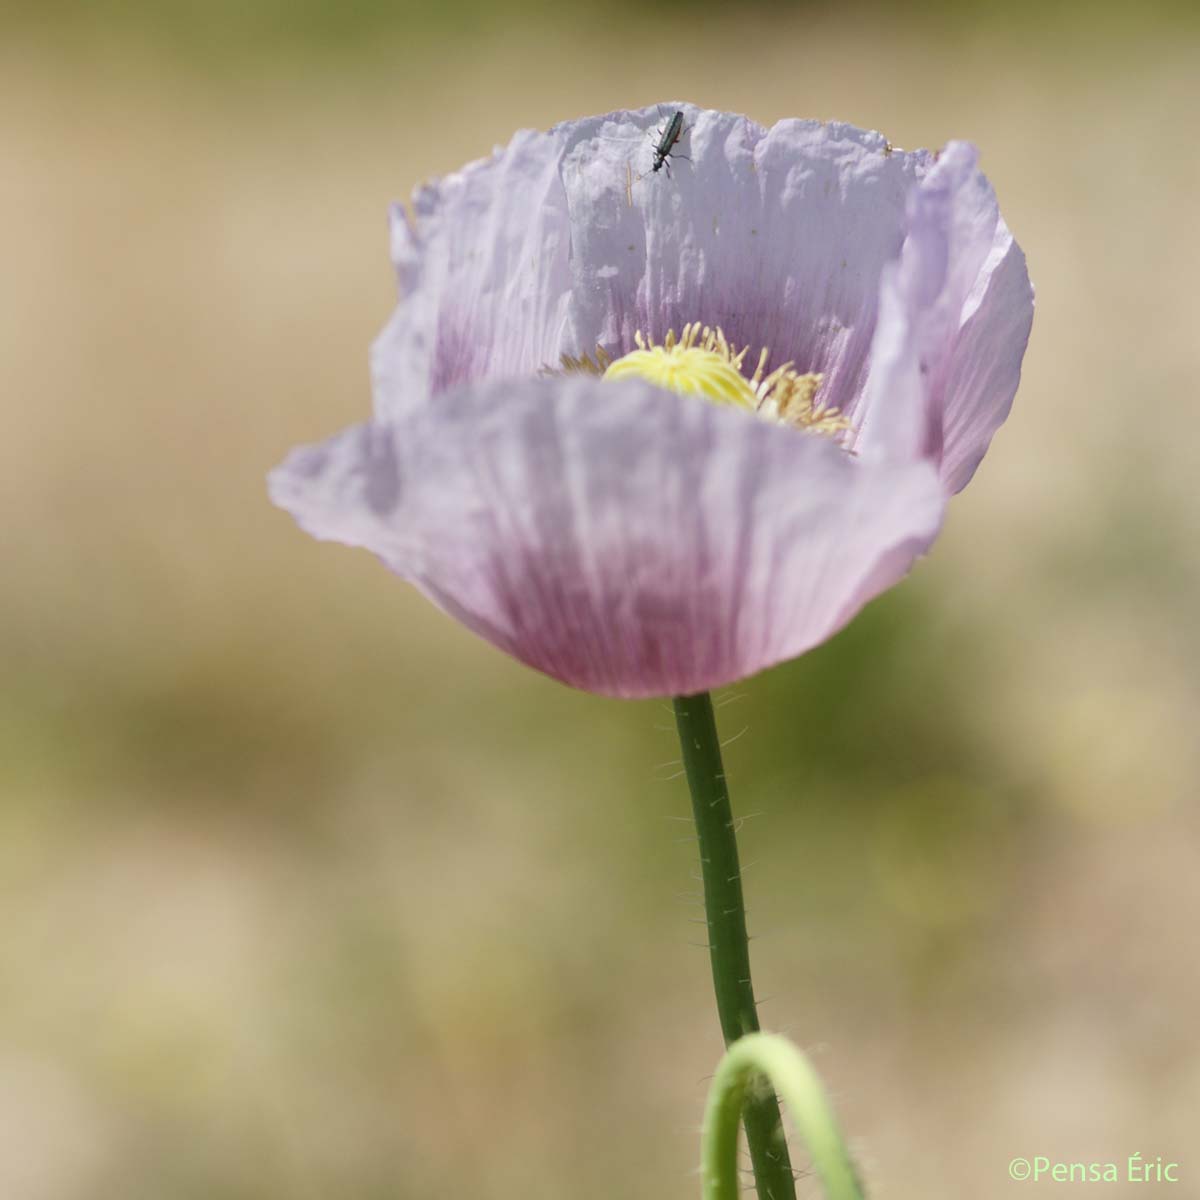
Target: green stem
pixel 728 945
pixel 792 1075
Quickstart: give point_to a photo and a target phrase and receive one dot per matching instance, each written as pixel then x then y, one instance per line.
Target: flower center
pixel 688 368
pixel 703 363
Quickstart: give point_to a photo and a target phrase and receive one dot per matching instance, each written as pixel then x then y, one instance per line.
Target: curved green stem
pixel 792 1075
pixel 728 945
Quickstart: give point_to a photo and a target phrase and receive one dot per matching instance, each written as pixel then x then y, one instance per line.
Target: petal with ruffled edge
pixel 565 240
pixel 484 277
pixel 955 315
pixel 616 537
pixel 777 235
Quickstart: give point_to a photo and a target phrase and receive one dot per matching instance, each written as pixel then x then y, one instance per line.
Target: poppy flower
pixel 653 432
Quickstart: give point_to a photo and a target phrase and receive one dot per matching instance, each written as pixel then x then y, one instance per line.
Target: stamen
pixel 702 362
pixel 695 364
pixel 584 364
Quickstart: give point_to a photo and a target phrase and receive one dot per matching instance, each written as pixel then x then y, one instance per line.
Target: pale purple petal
pixel 566 240
pixel 621 539
pixel 483 273
pixel 778 236
pixel 955 315
pixel 985 365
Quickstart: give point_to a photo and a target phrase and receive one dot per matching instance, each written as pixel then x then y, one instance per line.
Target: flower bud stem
pixel 729 950
pixel 765 1055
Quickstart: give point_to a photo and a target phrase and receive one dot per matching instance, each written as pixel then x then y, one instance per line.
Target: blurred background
pixel 309 894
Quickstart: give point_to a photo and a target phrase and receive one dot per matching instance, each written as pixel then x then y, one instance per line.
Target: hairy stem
pixel 729 950
pixel 791 1074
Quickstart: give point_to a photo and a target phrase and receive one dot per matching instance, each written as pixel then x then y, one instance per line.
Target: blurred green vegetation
pixel 237 30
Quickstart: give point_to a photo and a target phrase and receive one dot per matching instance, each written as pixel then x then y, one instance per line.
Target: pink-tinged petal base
pixel 484 274
pixel 619 538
